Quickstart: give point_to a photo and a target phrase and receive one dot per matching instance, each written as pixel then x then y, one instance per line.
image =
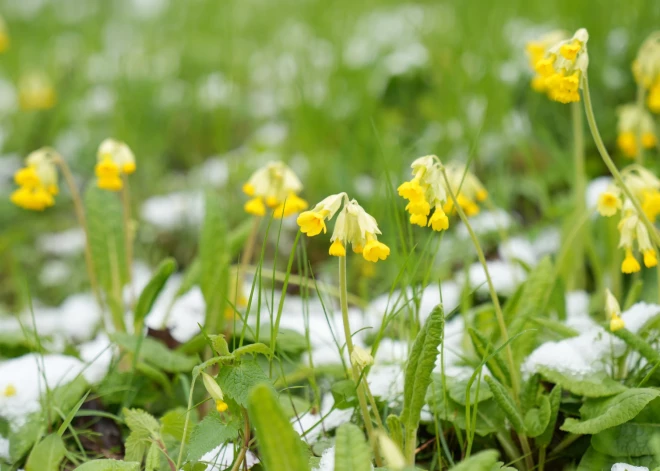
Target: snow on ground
pixel 486 222
pixel 174 210
pixel 331 419
pixel 222 457
pixel 518 249
pixel 628 467
pixel 506 276
pixel 65 243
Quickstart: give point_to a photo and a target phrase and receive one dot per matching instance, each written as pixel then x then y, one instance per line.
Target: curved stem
pixel 579 188
pixel 82 220
pixel 128 235
pixel 343 301
pixel 187 421
pixel 600 145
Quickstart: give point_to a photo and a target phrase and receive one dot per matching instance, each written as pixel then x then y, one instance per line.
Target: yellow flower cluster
pixel 36 92
pixel 646 188
pixel 114 159
pixel 275 186
pixel 646 69
pixel 37 181
pixel 561 68
pixel 635 125
pixel 427 190
pixel 536 51
pixel 353 226
pixel 613 312
pixel 4 36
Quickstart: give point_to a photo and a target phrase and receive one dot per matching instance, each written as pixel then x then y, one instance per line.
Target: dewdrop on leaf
pixel 213 388
pixel 274 186
pixel 353 226
pixel 114 159
pixel 37 181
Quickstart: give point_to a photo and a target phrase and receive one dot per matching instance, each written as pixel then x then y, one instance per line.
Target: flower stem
pixel 579 187
pixel 343 301
pixel 611 166
pixel 82 220
pixel 128 235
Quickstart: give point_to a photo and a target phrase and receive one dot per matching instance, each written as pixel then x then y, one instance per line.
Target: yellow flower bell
pixel 37 181
pixel 635 127
pixel 353 226
pixel 536 51
pixel 114 159
pixel 275 186
pixel 36 92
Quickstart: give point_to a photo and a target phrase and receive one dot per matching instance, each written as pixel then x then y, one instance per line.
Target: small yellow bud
pixel 213 388
pixel 361 357
pixel 221 406
pixel 411 190
pixel 248 189
pixel 272 201
pixel 418 219
pixel 653 100
pixel 255 206
pixel 616 323
pixel 439 221
pixel 650 258
pixel 649 140
pixel 311 223
pixel 569 51
pixel 337 249
pixel 419 206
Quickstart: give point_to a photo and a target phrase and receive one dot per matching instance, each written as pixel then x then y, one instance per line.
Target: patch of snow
pixel 386 382
pixel 222 457
pixel 327 462
pixel 506 276
pixel 4 450
pixel 486 222
pixel 97 354
pixel 213 171
pixel 628 467
pixel 174 210
pixel 638 315
pixel 518 248
pixel 547 242
pixel 65 243
pixel 54 273
pixel 577 311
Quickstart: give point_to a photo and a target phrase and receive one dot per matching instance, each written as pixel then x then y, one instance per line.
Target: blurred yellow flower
pixel 634 125
pixel 536 51
pixel 4 36
pixel 37 181
pixel 36 92
pixel 10 390
pixel 113 159
pixel 214 390
pixel 353 226
pixel 276 186
pixel 646 69
pixel 561 68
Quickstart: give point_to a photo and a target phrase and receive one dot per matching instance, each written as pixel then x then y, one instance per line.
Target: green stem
pixel 600 145
pixel 579 187
pixel 343 301
pixel 128 235
pixel 491 287
pixel 411 445
pixel 541 459
pixel 187 421
pixel 641 109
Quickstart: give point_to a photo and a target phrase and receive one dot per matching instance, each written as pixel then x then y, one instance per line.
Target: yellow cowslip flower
pixel 37 181
pixel 4 35
pixel 214 390
pixel 353 226
pixel 646 69
pixel 10 390
pixel 467 188
pixel 613 312
pixel 562 67
pixel 632 230
pixel 646 188
pixel 537 49
pixel 634 125
pixel 36 92
pixel 609 202
pixel 390 452
pixel 113 159
pixel 275 186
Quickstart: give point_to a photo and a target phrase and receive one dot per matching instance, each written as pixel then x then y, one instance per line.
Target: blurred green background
pixel 205 91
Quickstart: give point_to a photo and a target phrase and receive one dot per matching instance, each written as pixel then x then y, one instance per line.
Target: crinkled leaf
pixel 156 353
pixel 344 394
pixel 419 367
pixel 153 458
pixel 279 445
pixel 503 399
pixel 484 349
pixel 254 348
pixel 136 446
pixel 237 381
pixel 595 385
pixel 173 423
pixel 592 460
pixel 555 400
pixel 629 439
pixel 210 433
pixel 457 389
pixel 601 414
pixel 538 418
pixel 141 423
pixel 109 465
pixel 351 450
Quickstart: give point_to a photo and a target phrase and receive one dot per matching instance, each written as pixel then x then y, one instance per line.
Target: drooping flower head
pixel 646 69
pixel 353 226
pixel 635 127
pixel 631 230
pixel 36 92
pixel 113 159
pixel 468 189
pixel 37 181
pixel 275 186
pixel 536 51
pixel 214 390
pixel 563 66
pixel 4 35
pixel 613 312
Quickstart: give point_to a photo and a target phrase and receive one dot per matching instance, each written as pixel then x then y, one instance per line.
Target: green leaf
pixel 639 344
pixel 106 237
pixel 595 461
pixel 555 400
pixel 153 289
pixel 136 446
pixel 538 418
pixel 153 458
pixel 530 392
pixel 141 422
pixel 482 461
pixel 595 385
pixel 156 353
pixel 496 363
pixel 237 381
pixel 280 446
pixel 252 349
pixel 214 259
pixel 173 422
pixel 503 399
pixel 629 439
pixel 351 450
pixel 395 430
pixel 457 389
pixel 419 367
pixel 601 414
pixel 210 433
pixel 47 454
pixel 109 465
pixel 344 394
pixel 219 344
